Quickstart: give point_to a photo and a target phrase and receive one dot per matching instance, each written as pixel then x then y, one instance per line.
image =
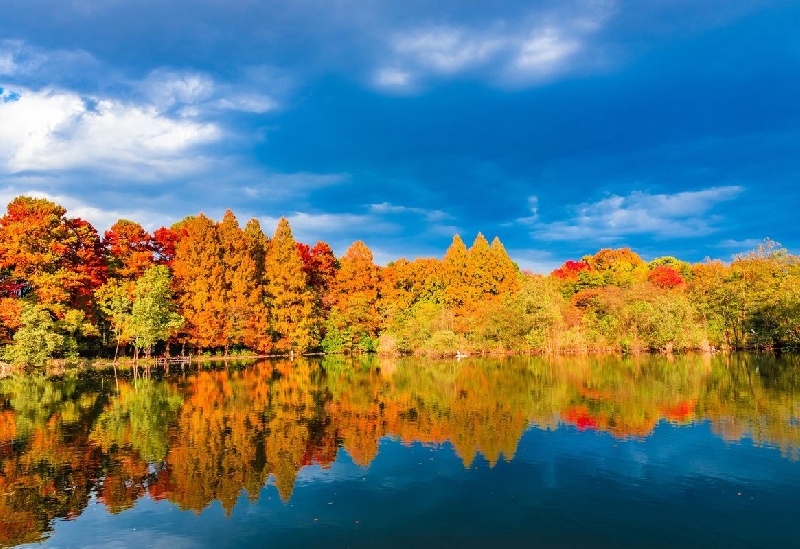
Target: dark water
pixel 526 452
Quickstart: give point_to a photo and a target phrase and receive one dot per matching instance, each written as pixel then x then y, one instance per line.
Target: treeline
pixel 213 287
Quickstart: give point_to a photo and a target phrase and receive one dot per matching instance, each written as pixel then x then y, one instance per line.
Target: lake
pixel 647 451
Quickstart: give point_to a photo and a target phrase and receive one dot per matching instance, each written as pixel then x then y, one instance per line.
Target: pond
pixel 648 451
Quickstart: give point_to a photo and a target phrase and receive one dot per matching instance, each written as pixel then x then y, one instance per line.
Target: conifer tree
pixel 257 333
pixel 454 274
pixel 290 302
pixel 200 282
pixel 503 271
pixel 478 273
pixel 241 283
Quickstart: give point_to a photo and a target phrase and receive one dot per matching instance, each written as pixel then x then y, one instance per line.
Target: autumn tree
pixel 354 296
pixel 57 259
pixel 502 270
pixel 164 242
pixel 256 334
pixel 621 267
pixel 130 250
pixel 290 302
pixel 200 282
pixel 242 295
pixel 454 274
pixel 718 301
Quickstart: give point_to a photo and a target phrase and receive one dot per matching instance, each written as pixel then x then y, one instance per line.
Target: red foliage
pixel 319 264
pixel 665 276
pixel 580 418
pixel 130 249
pixel 570 270
pixel 164 241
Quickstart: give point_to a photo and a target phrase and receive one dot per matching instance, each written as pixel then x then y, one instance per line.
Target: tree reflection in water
pixel 210 434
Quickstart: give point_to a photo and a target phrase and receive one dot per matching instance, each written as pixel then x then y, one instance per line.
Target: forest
pixel 213 288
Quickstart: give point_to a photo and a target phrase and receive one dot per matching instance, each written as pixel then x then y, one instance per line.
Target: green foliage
pixel 140 416
pixel 338 336
pixel 36 340
pixel 153 316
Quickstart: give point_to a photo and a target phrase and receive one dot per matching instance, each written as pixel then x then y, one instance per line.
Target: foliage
pixel 290 302
pixel 237 289
pixel 36 340
pixel 153 317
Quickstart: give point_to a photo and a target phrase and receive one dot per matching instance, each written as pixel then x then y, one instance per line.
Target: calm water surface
pixel 526 452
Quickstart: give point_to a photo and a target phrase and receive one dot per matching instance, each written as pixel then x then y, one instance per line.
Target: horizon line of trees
pixel 205 286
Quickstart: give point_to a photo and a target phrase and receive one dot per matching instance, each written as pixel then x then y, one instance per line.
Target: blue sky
pixel 670 126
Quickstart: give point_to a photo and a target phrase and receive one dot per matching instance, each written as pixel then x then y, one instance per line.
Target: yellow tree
pixel 503 271
pixel 478 271
pixel 454 274
pixel 200 282
pixel 621 267
pixel 290 302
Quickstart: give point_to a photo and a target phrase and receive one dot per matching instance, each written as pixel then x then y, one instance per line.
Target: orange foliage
pixel 60 258
pixel 355 290
pixel 130 249
pixel 200 282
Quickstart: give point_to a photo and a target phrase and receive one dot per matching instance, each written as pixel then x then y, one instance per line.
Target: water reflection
pixel 208 435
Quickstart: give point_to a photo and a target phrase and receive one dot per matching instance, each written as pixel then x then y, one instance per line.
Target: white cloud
pixel 534 260
pixel 512 53
pixel 545 51
pixel 746 244
pixel 331 227
pixel 57 130
pixel 197 93
pixel 393 78
pixel 679 215
pixel 271 185
pixel 251 102
pixel 429 215
pixel 168 88
pixel 447 50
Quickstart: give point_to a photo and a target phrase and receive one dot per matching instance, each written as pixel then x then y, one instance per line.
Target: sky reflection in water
pixel 523 452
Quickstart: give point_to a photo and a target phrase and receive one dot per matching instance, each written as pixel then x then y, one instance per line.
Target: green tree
pixel 114 300
pixel 36 340
pixel 153 316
